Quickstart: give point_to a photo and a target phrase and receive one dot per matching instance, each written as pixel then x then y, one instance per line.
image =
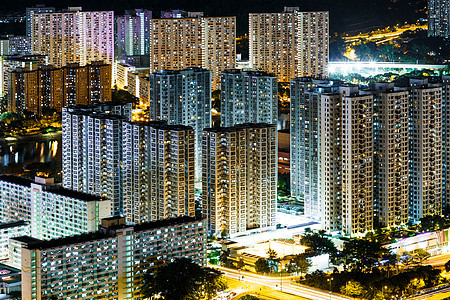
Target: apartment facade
pixel 52 211
pixel 48 87
pixel 305 139
pixel 11 230
pixel 438 18
pixel 239 178
pixel 357 161
pixel 158 171
pixel 11 62
pixel 445 140
pixel 39 8
pixel 118 254
pixel 182 97
pixel 248 97
pixel 290 44
pixel 346 160
pixel 391 147
pixel 133 33
pixel 92 150
pixel 73 36
pixel 425 149
pixel 180 43
pixel 331 161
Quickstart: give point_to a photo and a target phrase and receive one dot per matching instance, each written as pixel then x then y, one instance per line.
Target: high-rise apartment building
pixel 20 45
pixel 438 18
pixel 52 211
pixel 239 177
pixel 133 33
pixel 330 162
pixel 92 150
pixel 158 171
pixel 73 36
pixel 425 149
pixel 346 160
pixel 110 263
pixel 289 44
pixel 179 43
pixel 12 62
pixel 48 87
pixel 391 147
pixel 248 97
pixel 445 141
pixel 39 8
pixel 182 97
pixel 305 138
pixel 357 161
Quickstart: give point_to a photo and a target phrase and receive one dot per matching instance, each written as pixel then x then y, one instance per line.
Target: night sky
pixel 346 15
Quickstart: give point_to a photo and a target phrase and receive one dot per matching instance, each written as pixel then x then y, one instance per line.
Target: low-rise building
pixel 108 264
pixel 52 211
pixel 11 230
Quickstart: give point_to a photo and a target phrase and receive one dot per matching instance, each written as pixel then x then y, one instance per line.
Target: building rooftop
pixel 55 189
pixel 108 233
pixel 160 125
pixel 13 224
pixel 165 223
pixel 26 239
pixel 239 127
pixel 92 107
pixel 251 72
pixel 173 72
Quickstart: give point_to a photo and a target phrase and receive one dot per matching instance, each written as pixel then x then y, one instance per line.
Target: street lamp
pixel 382 290
pixel 330 280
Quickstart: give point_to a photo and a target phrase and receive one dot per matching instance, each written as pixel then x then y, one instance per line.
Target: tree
pixel 421 255
pixel 284 184
pixel 318 242
pixel 362 254
pixel 183 280
pixel 337 47
pixel 215 99
pixel 447 266
pixel 272 254
pixel 352 289
pixel 432 223
pixel 240 264
pixel 300 263
pixel 414 258
pixel 224 234
pixel 224 259
pixel 262 266
pixel 123 96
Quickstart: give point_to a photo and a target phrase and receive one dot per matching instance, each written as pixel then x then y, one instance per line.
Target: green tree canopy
pixel 432 223
pixel 300 264
pixel 361 254
pixel 447 266
pixel 183 280
pixel 352 288
pixel 272 254
pixel 318 242
pixel 262 266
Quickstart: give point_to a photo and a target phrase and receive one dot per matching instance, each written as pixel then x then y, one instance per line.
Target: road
pixel 438 260
pixel 285 283
pixel 441 294
pixel 385 36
